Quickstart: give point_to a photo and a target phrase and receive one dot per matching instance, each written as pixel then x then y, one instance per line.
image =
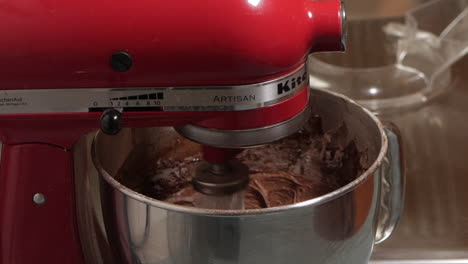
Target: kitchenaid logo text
pixel 234 99
pixel 291 84
pixel 11 101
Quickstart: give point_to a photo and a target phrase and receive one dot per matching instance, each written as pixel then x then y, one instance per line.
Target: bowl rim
pixel 117 186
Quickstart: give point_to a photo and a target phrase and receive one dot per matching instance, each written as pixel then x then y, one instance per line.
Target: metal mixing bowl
pixel 339 227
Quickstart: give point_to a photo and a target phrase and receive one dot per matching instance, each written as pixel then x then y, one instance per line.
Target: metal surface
pixel 29 229
pixel 344 25
pixel 49 44
pixel 433 227
pixel 335 228
pixel 393 185
pixel 244 138
pixel 220 179
pixel 65 128
pixel 39 198
pixel 209 98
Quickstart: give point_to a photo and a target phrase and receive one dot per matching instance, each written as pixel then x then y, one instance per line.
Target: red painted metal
pixel 64 129
pixel 261 117
pixel 27 168
pixel 219 155
pixel 32 233
pixel 65 44
pixel 327 35
pixel 50 44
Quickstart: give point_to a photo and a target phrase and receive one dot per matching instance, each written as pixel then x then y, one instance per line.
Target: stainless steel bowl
pixel 339 227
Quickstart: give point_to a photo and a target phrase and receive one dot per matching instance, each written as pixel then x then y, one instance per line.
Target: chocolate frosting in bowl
pixel 304 166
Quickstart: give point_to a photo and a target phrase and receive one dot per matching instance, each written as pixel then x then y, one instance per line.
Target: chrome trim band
pixel 244 138
pixel 209 98
pixel 344 25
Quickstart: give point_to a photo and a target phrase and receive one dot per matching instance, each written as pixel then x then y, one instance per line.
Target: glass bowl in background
pixel 394 63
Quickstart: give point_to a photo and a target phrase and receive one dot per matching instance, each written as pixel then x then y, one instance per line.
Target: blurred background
pixel 434 225
pixel 379 8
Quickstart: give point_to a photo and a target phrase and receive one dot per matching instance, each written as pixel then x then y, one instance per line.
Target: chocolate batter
pixel 304 166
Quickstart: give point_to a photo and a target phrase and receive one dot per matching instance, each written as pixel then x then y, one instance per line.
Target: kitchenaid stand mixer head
pixel 227 75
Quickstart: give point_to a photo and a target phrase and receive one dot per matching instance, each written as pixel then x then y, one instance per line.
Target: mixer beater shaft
pixel 221 179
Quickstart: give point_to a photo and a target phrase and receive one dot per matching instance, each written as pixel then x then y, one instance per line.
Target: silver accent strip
pixel 244 138
pixel 212 98
pixel 344 25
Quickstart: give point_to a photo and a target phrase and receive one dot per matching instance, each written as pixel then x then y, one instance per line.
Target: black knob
pixel 121 61
pixel 111 122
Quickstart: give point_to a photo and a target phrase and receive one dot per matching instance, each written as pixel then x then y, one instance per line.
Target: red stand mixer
pixel 227 74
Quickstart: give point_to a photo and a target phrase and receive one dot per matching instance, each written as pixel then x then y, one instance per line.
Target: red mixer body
pixel 56 44
pixel 49 47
